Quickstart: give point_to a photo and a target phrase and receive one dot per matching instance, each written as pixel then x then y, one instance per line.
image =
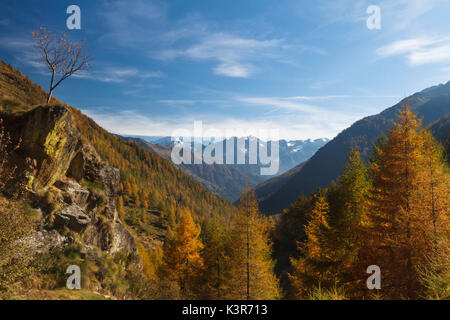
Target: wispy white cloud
pixel 295 103
pixel 233 53
pixel 181 102
pixel 16 43
pixel 117 75
pixel 29 58
pixel 328 97
pixel 404 46
pixel 279 103
pixel 175 102
pixel 430 55
pixel 419 51
pixel 233 70
pixel 289 127
pixel 397 15
pixel 402 14
pixel 297 117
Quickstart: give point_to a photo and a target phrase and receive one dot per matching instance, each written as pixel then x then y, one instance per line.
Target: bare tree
pixel 62 56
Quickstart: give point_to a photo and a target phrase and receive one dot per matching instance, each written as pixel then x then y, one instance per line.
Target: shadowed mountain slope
pixel 328 163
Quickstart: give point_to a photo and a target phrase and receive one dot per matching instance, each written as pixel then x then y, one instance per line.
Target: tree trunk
pixel 49 96
pixel 50 91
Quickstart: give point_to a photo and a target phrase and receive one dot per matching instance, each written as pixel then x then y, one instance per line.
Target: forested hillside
pixel 391 212
pixel 328 163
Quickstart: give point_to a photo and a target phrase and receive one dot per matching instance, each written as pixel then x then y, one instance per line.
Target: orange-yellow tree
pixel 217 258
pixel 348 210
pixel 408 190
pixel 252 271
pixel 433 195
pixel 182 261
pixel 433 200
pixel 312 268
pixel 329 256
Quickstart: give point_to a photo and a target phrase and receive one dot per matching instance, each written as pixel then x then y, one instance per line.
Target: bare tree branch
pixel 62 56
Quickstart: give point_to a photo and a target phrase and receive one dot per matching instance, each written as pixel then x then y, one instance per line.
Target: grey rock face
pixel 76 194
pixel 43 241
pixel 73 217
pixel 123 240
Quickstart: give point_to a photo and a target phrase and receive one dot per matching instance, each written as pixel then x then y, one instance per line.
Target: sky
pixel 308 69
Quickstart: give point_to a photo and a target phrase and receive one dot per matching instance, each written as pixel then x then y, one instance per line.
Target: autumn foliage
pixel 395 215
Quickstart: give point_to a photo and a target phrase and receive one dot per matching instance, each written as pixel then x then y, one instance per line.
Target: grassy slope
pixel 17 91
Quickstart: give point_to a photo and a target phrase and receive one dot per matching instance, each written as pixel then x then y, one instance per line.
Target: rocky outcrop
pixel 72 217
pixel 68 181
pixel 44 241
pixel 49 137
pixel 75 193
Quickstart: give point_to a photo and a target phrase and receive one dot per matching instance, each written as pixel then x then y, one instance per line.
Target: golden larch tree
pixel 252 272
pixel 182 261
pixel 396 239
pixel 217 258
pixel 433 194
pixel 311 269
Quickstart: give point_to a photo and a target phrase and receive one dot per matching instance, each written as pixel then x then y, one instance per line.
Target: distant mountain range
pixel 292 152
pixel 432 104
pixel 229 180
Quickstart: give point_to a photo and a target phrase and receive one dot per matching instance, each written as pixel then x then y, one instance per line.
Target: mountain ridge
pixel 327 164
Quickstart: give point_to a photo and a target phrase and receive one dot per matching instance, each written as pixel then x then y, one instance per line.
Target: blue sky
pixel 307 68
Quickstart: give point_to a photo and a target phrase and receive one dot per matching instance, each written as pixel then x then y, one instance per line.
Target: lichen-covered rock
pixel 74 187
pixel 49 137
